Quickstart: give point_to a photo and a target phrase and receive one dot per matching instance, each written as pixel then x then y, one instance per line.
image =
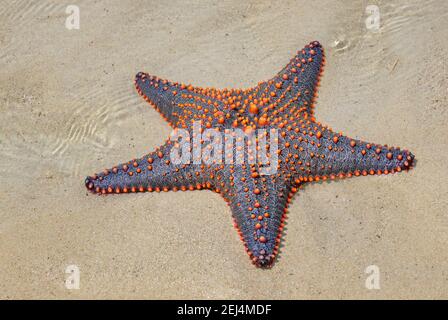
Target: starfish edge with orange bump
pixel 307 150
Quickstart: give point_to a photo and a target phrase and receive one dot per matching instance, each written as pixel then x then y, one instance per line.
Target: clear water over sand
pixel 69 109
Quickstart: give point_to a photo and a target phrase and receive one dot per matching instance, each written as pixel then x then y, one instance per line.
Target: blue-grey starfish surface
pixel 258 190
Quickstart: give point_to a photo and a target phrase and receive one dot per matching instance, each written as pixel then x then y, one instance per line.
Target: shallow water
pixel 69 109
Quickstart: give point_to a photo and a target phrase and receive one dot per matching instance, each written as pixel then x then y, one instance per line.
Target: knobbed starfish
pixel 307 150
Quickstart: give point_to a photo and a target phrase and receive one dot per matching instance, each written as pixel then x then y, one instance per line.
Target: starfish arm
pixel 258 205
pixel 294 89
pixel 327 154
pixel 153 172
pixel 356 157
pixel 182 104
pixel 290 93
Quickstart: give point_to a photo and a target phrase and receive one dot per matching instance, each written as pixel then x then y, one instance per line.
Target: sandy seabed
pixel 69 108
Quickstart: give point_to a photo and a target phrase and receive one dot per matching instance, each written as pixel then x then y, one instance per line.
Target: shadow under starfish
pixel 307 150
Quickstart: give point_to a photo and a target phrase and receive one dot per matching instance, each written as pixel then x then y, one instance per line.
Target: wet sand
pixel 69 109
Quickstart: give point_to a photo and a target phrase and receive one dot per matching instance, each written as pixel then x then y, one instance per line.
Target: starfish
pixel 303 149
